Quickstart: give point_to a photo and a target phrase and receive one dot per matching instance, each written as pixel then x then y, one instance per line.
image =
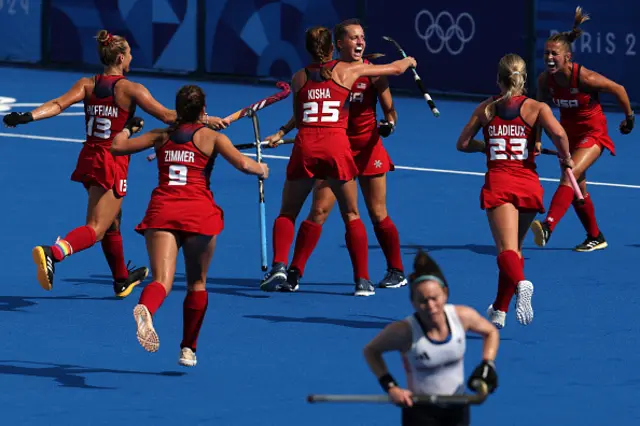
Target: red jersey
pixel 184 170
pixel 576 107
pixel 182 200
pixel 510 141
pixel 362 108
pixel 322 103
pixel 103 117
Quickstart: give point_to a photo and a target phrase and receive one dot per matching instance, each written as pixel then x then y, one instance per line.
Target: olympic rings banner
pixel 457 44
pixel 20 30
pixel 161 33
pixel 609 45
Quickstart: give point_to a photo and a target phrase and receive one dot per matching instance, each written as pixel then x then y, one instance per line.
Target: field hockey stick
pixel 569 173
pixel 417 78
pixel 462 399
pixel 285 90
pixel 263 226
pixel 264 144
pixel 574 184
pixel 372 56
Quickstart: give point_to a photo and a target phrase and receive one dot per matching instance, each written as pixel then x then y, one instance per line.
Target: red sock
pixel 387 235
pixel 306 241
pixel 114 253
pixel 511 273
pixel 559 205
pixel 358 246
pixel 152 296
pixel 587 215
pixel 75 241
pixel 193 310
pixel 283 233
pixel 505 293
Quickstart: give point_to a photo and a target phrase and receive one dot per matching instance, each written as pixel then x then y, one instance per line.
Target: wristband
pixel 387 382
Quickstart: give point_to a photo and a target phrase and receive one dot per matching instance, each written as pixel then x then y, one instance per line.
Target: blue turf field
pixel 71 356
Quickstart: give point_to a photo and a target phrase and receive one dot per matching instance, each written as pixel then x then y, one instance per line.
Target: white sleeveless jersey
pixel 433 367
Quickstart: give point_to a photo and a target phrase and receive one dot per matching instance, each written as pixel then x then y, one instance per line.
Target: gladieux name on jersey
pixel 319 94
pixel 509 130
pixel 179 156
pixel 103 110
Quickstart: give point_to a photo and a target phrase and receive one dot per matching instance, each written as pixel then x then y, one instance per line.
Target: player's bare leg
pixel 162 247
pixel 198 252
pixel 374 192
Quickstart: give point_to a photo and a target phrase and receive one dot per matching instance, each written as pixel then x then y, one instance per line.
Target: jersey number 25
pixel 330 112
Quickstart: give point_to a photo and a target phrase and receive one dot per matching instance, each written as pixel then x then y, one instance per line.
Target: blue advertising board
pixel 162 33
pixel 609 45
pixel 265 38
pixel 20 30
pixel 457 44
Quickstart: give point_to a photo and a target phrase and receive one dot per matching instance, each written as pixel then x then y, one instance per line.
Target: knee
pixel 115 226
pixel 318 215
pixel 378 213
pixel 99 230
pixel 197 285
pixel 289 213
pixel 350 216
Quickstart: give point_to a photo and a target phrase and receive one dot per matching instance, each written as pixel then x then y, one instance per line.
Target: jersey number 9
pixel 330 112
pixel 99 127
pixel 177 175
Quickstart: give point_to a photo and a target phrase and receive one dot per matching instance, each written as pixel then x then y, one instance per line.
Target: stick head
pixel 286 89
pixel 395 43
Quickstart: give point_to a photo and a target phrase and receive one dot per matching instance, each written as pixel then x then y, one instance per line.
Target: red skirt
pixel 96 166
pixel 322 153
pixel 370 155
pixel 585 135
pixel 520 187
pixel 190 214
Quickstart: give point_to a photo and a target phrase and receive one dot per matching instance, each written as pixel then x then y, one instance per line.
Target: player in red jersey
pixel 512 194
pixel 322 150
pixel 575 90
pixel 110 100
pixel 182 213
pixel 371 158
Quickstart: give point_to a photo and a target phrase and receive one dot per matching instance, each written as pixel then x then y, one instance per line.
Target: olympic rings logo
pixel 437 30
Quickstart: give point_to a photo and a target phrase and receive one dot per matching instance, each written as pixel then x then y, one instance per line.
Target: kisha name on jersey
pixel 178 157
pixel 510 130
pixel 319 94
pixel 103 110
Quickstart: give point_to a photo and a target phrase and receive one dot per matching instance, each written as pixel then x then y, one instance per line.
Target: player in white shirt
pixel 432 343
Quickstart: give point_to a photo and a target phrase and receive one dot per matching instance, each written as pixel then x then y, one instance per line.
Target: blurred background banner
pixel 20 30
pixel 610 43
pixel 265 38
pixel 457 44
pixel 162 33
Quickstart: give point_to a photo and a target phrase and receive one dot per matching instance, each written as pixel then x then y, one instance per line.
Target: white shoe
pixel 496 317
pixel 524 310
pixel 187 357
pixel 146 334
